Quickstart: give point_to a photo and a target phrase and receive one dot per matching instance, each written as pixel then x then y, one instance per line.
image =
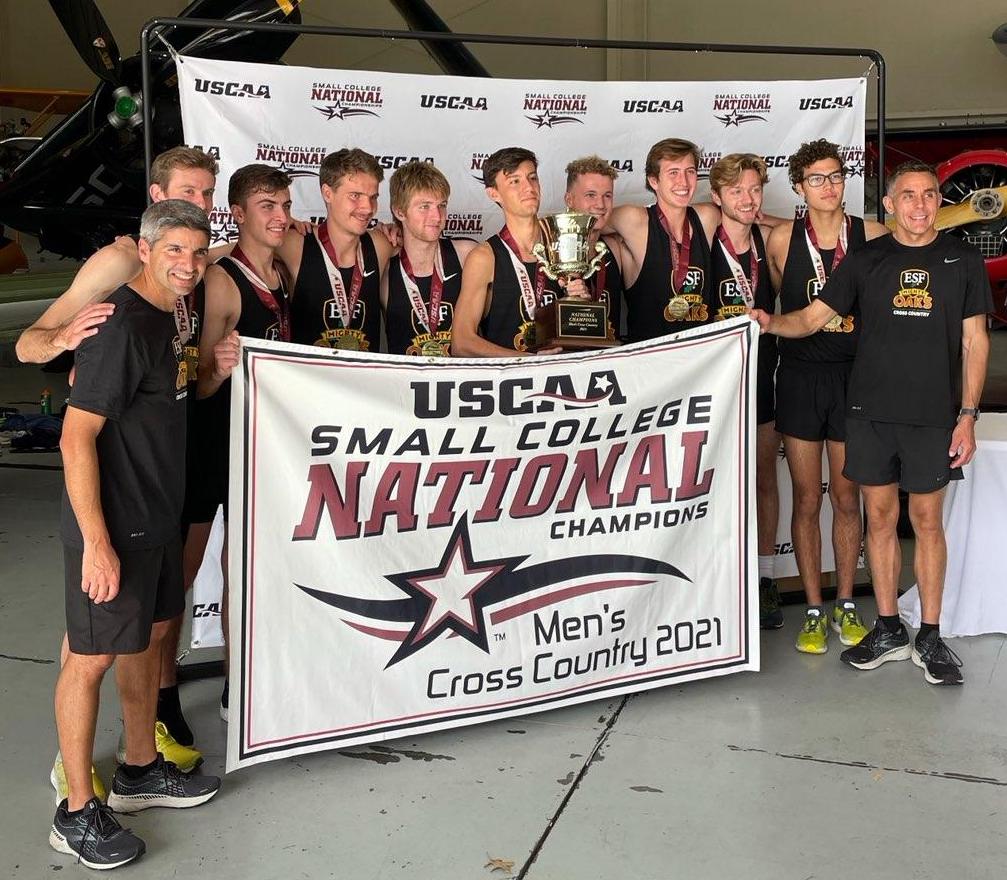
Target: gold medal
pixel 524 339
pixel 432 348
pixel 677 309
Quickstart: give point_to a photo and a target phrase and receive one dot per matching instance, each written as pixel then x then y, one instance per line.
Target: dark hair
pixel 810 153
pixel 342 163
pixel 251 179
pixel 172 214
pixel 910 166
pixel 505 161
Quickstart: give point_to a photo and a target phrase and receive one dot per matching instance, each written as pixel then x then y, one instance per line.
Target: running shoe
pixel 814 635
pixel 939 663
pixel 770 612
pixel 163 785
pixel 846 621
pixel 877 647
pixel 94 836
pixel 57 776
pixel 183 757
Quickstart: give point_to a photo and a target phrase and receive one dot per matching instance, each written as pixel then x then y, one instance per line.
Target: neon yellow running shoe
pixel 814 635
pixel 184 758
pixel 57 776
pixel 846 621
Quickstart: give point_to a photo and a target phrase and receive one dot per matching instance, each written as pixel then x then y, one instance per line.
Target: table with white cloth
pixel 975 523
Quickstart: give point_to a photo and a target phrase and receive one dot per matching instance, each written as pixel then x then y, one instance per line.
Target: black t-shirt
pixel 133 373
pixel 912 303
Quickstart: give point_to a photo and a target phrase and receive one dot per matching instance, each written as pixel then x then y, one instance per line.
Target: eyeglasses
pixel 817 180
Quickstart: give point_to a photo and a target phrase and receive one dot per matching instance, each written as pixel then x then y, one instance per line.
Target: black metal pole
pixel 505 40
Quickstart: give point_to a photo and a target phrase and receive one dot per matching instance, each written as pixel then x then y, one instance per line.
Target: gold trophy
pixel 565 252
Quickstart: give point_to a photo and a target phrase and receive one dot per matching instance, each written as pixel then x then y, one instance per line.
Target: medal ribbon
pixel 679 252
pixel 531 296
pixel 599 284
pixel 345 305
pixel 813 251
pixel 182 318
pixel 279 307
pixel 429 319
pixel 747 286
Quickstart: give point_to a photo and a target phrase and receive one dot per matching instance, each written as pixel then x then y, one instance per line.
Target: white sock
pixel 766 565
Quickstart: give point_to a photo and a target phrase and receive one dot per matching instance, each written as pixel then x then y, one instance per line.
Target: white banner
pixel 291 117
pixel 418 545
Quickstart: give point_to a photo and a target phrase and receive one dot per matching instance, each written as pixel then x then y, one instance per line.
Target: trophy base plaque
pixel 573 325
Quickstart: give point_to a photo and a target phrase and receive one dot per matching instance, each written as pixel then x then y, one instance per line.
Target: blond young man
pixel 590 189
pixel 421 286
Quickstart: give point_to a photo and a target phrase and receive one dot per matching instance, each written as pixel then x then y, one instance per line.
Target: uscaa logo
pixel 736 109
pixel 453 102
pixel 621 164
pixel 464 225
pixel 392 162
pixel 477 165
pixel 344 100
pixel 837 102
pixel 232 89
pixel 653 105
pixel 545 110
pixel 212 151
pixel 222 226
pixel 295 160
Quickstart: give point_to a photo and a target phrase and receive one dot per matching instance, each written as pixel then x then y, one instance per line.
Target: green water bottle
pixel 45 402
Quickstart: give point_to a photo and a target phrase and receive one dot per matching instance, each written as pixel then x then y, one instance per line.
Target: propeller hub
pixel 127 109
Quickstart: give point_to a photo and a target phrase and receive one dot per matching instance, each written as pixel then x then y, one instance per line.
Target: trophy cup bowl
pixel 565 252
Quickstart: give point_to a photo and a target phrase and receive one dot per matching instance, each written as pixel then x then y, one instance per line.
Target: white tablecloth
pixel 975 522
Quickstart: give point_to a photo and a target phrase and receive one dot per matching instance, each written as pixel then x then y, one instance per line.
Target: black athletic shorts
pixel 811 400
pixel 765 381
pixel 150 589
pixel 914 456
pixel 200 505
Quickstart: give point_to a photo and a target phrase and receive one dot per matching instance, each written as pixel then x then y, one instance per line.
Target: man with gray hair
pixel 123 450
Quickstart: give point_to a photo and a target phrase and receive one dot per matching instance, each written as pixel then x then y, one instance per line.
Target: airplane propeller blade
pixel 452 58
pixel 90 35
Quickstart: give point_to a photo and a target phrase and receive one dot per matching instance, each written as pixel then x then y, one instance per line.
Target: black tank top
pixel 406 335
pixel 314 317
pixel 800 286
pixel 729 302
pixel 647 298
pixel 506 322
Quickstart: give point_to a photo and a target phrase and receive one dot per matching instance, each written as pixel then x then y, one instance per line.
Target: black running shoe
pixel 939 663
pixel 94 836
pixel 877 647
pixel 770 612
pixel 164 785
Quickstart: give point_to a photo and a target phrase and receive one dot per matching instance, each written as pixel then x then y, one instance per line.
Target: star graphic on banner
pixel 736 117
pixel 451 595
pixel 548 119
pixel 601 383
pixel 338 111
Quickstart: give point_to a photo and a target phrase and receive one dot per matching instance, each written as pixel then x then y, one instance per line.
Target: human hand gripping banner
pixel 418 545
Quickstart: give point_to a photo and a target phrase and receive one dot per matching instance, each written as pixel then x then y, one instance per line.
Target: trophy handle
pixel 540 254
pixel 601 249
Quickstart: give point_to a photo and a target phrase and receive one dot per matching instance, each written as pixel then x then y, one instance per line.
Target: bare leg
pixel 76 715
pixel 767 499
pixel 847 528
pixel 804 458
pixel 925 512
pixel 883 550
pixel 136 677
pixel 192 558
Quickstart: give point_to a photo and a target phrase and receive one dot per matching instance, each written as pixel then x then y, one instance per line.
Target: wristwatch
pixel 969 411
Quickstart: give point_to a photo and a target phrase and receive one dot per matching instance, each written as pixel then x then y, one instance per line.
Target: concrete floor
pixel 805 770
